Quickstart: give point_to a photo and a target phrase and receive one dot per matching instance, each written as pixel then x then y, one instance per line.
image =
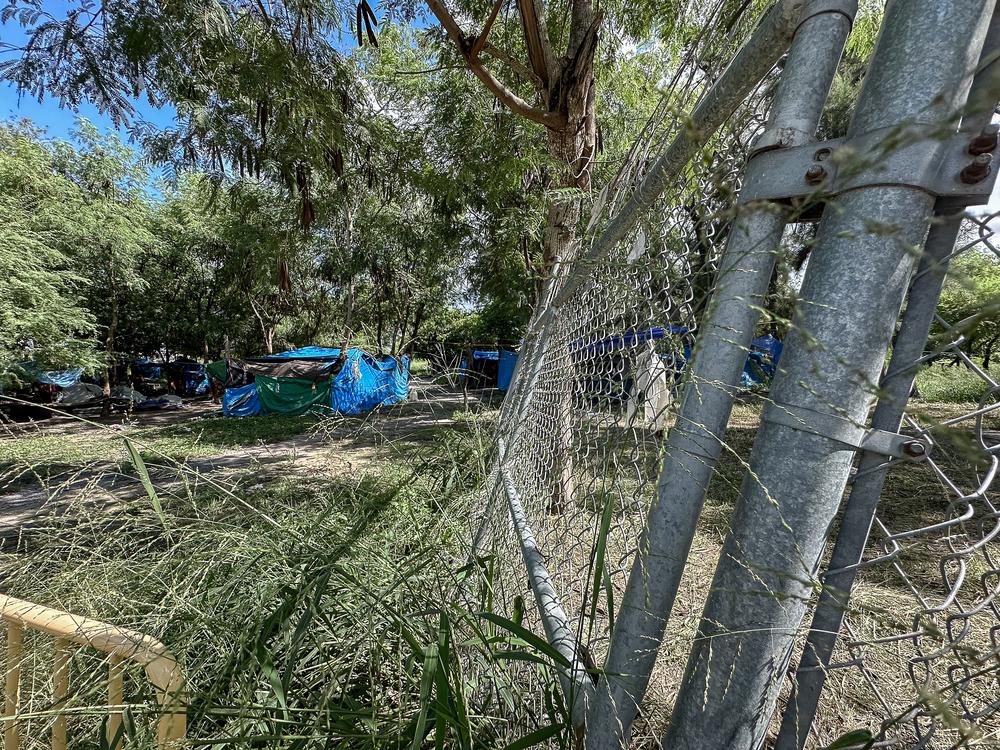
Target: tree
pixel 970 302
pixel 43 316
pixel 114 229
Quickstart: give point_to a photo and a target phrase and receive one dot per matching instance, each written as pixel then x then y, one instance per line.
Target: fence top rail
pixel 162 669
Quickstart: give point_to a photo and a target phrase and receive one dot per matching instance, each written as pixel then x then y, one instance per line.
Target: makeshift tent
pixel 124 393
pixel 58 378
pixel 483 370
pixel 81 394
pixel 147 369
pixel 505 369
pixel 187 377
pixel 315 378
pixel 168 401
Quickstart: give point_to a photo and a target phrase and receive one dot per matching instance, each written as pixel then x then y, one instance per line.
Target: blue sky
pixel 58 121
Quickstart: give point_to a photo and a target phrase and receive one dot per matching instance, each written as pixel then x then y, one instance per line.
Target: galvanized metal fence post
pixel 894 391
pixel 851 297
pixel 695 441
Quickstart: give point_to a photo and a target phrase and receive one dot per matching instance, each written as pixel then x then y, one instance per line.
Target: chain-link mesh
pixel 583 439
pixel 583 430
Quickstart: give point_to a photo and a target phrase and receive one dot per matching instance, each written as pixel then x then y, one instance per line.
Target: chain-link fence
pixel 613 501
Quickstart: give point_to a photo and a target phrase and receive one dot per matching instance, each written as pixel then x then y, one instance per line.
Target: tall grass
pixel 306 612
pixel 943 383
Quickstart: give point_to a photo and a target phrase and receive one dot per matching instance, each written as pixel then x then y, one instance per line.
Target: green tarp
pixel 293 395
pixel 217 370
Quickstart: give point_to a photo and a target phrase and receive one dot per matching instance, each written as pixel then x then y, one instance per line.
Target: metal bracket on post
pixel 958 169
pixel 846 432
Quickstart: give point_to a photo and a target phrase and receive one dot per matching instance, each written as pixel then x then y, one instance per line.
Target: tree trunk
pixel 573 149
pixel 109 348
pixel 418 319
pixel 565 86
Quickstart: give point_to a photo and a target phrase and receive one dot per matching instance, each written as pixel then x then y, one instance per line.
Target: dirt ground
pixel 333 446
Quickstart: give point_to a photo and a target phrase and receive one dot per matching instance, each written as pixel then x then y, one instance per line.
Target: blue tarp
pixel 241 402
pixel 762 361
pixel 61 378
pixel 505 370
pixel 364 382
pixel 582 348
pixel 478 354
pixel 759 369
pixel 769 345
pixel 310 352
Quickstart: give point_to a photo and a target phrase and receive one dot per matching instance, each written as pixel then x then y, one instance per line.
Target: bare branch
pixel 508 98
pixel 536 38
pixel 515 65
pixel 477 47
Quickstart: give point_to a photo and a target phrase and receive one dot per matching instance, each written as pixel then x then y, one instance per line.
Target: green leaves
pixel 140 467
pixel 859 739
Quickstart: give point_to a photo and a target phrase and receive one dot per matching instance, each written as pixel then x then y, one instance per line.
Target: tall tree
pixel 43 316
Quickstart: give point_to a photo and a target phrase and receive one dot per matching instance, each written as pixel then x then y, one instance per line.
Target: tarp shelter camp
pixel 316 379
pixel 185 377
pixel 759 369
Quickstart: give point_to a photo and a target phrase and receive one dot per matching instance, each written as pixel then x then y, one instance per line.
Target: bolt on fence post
pixel 859 511
pixel 694 443
pixel 851 297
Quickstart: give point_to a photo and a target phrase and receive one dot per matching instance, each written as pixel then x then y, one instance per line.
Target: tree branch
pixel 515 65
pixel 536 39
pixel 508 98
pixel 581 20
pixel 477 46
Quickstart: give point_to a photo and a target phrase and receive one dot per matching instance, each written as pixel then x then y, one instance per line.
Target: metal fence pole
pixel 859 512
pixel 851 297
pixel 575 682
pixel 695 441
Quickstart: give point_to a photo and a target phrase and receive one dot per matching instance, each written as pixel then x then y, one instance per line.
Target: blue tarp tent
pixel 241 402
pixel 362 383
pixel 61 378
pixel 505 370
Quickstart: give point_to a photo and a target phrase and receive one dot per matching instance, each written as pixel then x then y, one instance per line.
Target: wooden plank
pixel 12 685
pixel 60 688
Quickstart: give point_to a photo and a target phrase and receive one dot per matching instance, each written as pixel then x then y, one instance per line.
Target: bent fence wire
pixel 583 434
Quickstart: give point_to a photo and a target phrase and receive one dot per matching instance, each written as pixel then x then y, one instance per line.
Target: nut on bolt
pixel 986 141
pixel 977 170
pixel 815 174
pixel 914 449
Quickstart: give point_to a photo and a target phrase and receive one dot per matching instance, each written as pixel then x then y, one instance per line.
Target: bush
pixel 954 384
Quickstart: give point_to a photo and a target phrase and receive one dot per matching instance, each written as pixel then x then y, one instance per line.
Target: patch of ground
pixel 83 464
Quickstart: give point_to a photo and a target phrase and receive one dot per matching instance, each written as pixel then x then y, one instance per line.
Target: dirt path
pixel 334 446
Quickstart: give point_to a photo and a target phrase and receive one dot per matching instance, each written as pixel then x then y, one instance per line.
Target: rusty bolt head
pixel 815 174
pixel 914 449
pixel 977 170
pixel 986 141
pixel 822 154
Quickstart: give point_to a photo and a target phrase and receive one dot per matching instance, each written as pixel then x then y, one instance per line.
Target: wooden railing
pixel 121 645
